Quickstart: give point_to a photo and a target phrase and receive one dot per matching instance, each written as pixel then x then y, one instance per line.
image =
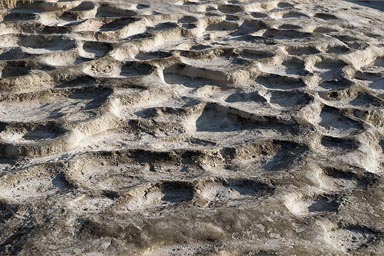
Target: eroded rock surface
pixel 191 128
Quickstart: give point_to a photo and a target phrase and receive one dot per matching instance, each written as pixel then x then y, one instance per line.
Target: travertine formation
pixel 191 128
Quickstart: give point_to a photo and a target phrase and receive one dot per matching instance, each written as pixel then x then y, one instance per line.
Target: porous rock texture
pixel 191 128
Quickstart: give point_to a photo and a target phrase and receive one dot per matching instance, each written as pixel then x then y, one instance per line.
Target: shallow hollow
pixel 14 69
pixel 177 191
pixel 216 118
pixel 273 81
pixel 133 69
pixel 290 99
pixel 334 118
pixel 50 42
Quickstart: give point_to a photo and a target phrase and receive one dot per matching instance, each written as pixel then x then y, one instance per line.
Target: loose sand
pixel 191 128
